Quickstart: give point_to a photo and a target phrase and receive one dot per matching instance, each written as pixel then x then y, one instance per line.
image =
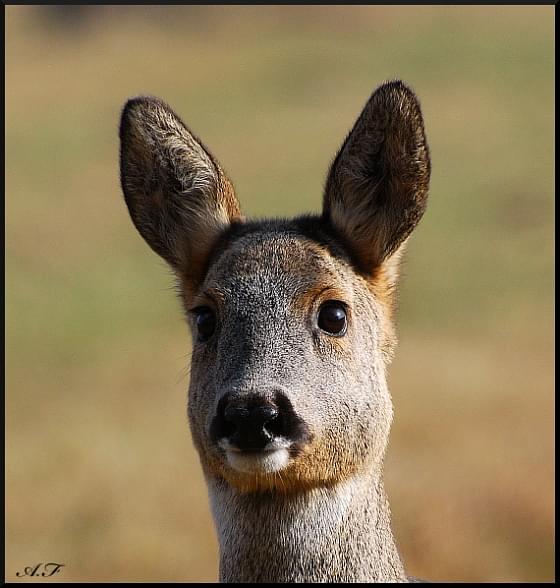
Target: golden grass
pixel 101 473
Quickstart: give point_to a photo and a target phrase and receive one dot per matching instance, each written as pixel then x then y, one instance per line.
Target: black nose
pixel 247 417
pixel 250 421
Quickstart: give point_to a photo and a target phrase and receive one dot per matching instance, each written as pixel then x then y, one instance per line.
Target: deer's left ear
pixel 377 187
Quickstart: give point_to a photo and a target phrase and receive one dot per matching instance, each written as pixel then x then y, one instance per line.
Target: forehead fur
pixel 304 229
pixel 288 255
pixel 281 251
pixel 306 251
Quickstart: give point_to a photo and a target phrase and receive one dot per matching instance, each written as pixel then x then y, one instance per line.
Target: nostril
pixel 261 415
pixel 237 415
pixel 256 416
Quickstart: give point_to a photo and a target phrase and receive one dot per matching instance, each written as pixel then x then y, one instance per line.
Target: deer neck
pixel 337 534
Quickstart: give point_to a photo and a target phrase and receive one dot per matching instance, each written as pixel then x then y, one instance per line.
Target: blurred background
pixel 101 474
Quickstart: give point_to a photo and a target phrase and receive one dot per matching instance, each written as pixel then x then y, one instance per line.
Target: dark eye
pixel 205 322
pixel 332 318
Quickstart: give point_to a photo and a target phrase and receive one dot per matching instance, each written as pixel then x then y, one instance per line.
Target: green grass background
pixel 101 474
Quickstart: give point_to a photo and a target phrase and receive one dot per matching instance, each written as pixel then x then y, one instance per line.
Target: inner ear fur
pixel 377 187
pixel 178 197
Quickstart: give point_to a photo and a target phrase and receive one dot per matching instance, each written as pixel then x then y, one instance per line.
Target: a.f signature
pixel 46 570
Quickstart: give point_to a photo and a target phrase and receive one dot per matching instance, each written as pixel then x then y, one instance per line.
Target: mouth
pixel 272 458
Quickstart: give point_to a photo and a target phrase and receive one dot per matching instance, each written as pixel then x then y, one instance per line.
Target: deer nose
pixel 249 423
pixel 252 418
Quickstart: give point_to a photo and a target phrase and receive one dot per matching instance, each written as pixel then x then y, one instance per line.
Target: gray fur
pixel 324 515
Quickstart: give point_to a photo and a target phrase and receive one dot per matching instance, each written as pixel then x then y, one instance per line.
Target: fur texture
pixel 321 514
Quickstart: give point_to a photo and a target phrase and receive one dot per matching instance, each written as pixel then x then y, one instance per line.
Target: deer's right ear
pixel 178 197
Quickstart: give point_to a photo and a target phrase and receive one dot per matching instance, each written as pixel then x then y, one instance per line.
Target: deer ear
pixel 178 197
pixel 377 186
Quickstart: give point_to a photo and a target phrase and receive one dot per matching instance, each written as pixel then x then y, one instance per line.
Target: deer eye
pixel 205 320
pixel 332 318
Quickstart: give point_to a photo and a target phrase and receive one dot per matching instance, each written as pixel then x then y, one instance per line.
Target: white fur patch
pixel 264 462
pixel 273 458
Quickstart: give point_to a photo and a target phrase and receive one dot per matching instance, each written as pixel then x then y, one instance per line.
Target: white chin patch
pixel 264 462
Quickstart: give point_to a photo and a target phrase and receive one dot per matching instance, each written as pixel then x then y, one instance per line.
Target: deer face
pixel 290 320
pixel 287 377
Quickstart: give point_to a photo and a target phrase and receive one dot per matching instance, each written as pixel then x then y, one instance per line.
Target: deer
pixel 292 324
